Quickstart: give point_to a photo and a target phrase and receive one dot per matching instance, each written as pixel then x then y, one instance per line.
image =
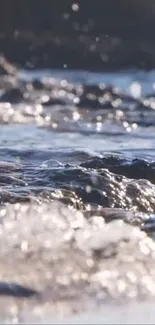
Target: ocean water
pixel 77 196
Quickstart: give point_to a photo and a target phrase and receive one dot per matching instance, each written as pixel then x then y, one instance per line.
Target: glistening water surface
pixel 77 191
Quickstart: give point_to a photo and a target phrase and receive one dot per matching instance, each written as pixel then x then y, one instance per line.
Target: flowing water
pixel 77 195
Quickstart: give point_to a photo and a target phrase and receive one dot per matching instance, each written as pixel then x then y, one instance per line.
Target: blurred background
pixel 82 34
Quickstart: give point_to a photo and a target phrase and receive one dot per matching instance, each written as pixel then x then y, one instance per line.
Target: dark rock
pixel 14 95
pixel 16 290
pixel 94 103
pixel 54 101
pixel 37 84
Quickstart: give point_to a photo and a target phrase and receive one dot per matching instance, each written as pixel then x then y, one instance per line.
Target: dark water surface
pixel 86 133
pixel 77 189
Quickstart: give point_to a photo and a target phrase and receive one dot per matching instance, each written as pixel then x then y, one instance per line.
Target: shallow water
pixel 77 155
pixel 88 133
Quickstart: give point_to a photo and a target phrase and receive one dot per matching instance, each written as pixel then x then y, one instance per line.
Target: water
pixel 77 192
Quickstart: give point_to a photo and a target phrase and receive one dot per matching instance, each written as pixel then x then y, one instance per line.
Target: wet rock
pixel 92 102
pixel 15 290
pixel 86 102
pixel 37 84
pixel 53 101
pixel 14 95
pixel 94 89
